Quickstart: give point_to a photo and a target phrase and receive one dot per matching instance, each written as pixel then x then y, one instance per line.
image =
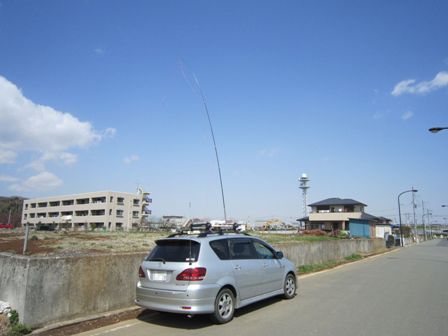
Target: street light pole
pixel 399 212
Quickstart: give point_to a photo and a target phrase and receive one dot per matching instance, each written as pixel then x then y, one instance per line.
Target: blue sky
pixel 99 95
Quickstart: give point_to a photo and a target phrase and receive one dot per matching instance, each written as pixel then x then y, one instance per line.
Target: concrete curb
pixel 78 325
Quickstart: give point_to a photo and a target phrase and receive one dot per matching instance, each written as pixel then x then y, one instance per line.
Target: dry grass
pixel 80 242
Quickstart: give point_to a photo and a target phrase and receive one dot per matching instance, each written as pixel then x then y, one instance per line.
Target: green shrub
pixel 353 257
pixel 13 317
pixel 17 329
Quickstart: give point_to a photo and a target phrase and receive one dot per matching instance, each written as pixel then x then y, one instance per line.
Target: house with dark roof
pixel 335 214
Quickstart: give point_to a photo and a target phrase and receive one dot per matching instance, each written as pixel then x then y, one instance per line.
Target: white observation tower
pixel 303 181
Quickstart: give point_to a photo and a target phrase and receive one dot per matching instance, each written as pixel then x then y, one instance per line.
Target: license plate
pixel 158 276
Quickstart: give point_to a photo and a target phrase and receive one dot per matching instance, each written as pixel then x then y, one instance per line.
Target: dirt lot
pixel 69 243
pixel 44 243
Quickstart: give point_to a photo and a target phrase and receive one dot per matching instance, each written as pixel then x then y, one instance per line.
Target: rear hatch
pixel 165 263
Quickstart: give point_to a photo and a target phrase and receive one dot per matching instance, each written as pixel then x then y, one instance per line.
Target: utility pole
pixel 423 221
pixel 428 213
pixel 413 212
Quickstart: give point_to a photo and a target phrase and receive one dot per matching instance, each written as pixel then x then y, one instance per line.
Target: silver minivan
pixel 212 273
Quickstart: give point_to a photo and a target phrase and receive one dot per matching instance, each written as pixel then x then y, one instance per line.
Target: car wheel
pixel 224 306
pixel 289 287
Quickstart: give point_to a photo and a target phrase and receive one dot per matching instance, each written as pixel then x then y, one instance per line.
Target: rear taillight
pixel 192 274
pixel 141 274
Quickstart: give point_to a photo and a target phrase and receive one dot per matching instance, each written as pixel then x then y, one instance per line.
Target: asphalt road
pixel 400 293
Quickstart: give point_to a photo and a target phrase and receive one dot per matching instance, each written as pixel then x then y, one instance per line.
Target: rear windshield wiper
pixel 157 259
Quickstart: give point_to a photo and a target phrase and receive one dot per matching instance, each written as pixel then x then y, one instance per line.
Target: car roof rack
pixel 203 229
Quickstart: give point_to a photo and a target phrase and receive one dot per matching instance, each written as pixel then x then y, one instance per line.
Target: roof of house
pixel 337 201
pixel 369 217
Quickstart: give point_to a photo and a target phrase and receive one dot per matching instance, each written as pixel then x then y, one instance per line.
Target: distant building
pixel 335 214
pixel 101 209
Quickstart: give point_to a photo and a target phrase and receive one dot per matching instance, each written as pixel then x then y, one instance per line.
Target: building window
pixel 349 208
pixel 68 202
pixel 135 214
pixel 120 213
pixel 98 212
pixel 82 213
pixel 32 215
pixel 33 205
pixel 323 208
pixel 42 205
pixel 120 200
pixel 99 199
pixel 55 203
pixel 82 201
pixel 136 202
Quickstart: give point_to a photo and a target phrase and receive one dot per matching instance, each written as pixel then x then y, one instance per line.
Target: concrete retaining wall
pixel 304 253
pixel 45 290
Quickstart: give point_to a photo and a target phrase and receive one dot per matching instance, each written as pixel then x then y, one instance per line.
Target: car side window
pixel 221 248
pixel 263 251
pixel 242 249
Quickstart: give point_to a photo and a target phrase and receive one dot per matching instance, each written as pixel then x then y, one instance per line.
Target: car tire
pixel 289 286
pixel 224 306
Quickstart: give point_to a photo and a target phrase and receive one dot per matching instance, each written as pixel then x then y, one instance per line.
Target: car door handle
pixel 237 267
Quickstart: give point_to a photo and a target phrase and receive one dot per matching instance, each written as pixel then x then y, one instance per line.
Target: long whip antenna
pixel 204 102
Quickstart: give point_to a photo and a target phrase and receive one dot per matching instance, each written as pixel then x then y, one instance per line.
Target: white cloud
pixel 108 133
pixel 40 182
pixel 99 51
pixel 68 158
pixel 411 85
pixel 64 157
pixel 27 128
pixel 130 159
pixel 407 115
pixel 25 125
pixel 7 156
pixel 8 179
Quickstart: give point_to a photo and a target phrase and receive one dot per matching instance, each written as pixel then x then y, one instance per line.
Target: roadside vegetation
pixel 328 264
pixel 10 325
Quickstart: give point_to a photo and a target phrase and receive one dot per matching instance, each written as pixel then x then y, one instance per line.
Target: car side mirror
pixel 279 254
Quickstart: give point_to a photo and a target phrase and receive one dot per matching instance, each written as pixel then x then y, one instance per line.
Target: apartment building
pixel 94 210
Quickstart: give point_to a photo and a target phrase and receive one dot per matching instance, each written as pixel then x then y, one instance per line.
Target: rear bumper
pixel 196 299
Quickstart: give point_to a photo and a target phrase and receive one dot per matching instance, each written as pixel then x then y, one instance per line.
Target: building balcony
pixel 333 216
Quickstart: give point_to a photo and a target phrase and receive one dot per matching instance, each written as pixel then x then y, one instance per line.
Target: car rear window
pixel 175 251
